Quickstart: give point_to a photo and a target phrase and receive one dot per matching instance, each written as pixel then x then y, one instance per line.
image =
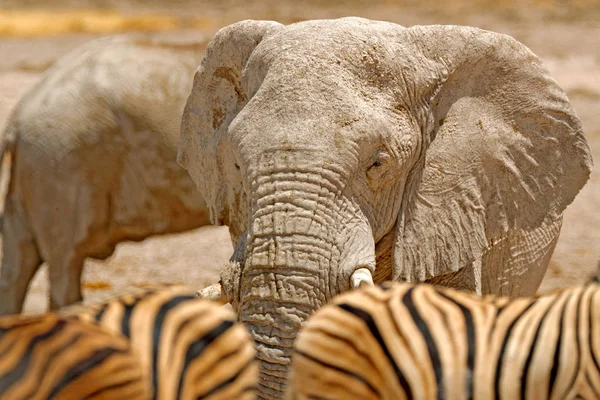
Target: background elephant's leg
pixel 20 260
pixel 79 229
pixel 65 279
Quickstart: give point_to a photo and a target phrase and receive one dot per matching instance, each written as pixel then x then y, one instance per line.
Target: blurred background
pixel 564 34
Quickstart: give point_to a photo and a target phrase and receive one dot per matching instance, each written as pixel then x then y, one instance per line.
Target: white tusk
pixel 361 277
pixel 213 292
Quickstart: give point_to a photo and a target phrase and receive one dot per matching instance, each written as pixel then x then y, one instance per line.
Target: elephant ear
pixel 504 155
pixel 217 95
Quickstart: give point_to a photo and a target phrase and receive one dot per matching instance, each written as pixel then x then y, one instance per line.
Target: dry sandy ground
pixel 567 40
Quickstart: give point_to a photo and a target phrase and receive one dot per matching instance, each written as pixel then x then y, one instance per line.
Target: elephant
pixel 350 151
pixel 93 161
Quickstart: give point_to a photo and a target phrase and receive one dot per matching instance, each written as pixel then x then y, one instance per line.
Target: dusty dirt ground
pixel 565 37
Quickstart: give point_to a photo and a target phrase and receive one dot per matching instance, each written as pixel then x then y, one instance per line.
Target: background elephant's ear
pixel 217 96
pixel 504 155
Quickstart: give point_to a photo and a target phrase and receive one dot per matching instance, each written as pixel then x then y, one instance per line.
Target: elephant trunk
pixel 282 283
pixel 300 251
pixel 274 321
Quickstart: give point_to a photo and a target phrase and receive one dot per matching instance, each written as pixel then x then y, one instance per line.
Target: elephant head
pixel 337 150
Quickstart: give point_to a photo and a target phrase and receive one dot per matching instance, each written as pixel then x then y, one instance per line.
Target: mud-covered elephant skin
pixel 93 149
pixel 343 150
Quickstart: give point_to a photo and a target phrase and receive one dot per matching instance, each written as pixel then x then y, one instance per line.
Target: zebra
pixel 51 357
pixel 417 341
pixel 190 348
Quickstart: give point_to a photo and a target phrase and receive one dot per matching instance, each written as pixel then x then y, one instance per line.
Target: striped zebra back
pixel 404 341
pixel 49 357
pixel 190 348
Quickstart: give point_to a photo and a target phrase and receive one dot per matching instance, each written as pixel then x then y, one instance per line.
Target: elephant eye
pixel 237 166
pixel 374 167
pixel 380 158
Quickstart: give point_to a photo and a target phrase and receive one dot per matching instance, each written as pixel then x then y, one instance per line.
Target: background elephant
pixel 336 149
pixel 93 151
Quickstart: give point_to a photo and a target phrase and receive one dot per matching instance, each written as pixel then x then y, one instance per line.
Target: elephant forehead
pixel 321 37
pixel 322 48
pixel 322 136
pixel 325 129
pixel 324 76
pixel 328 86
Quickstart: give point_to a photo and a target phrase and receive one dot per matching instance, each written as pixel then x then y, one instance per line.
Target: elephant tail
pixel 7 144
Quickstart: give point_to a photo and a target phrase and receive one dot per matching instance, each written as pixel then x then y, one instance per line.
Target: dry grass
pixel 25 23
pixel 96 285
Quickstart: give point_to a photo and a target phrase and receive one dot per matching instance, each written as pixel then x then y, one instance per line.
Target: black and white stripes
pixel 404 341
pixel 49 357
pixel 190 347
pixel 161 343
